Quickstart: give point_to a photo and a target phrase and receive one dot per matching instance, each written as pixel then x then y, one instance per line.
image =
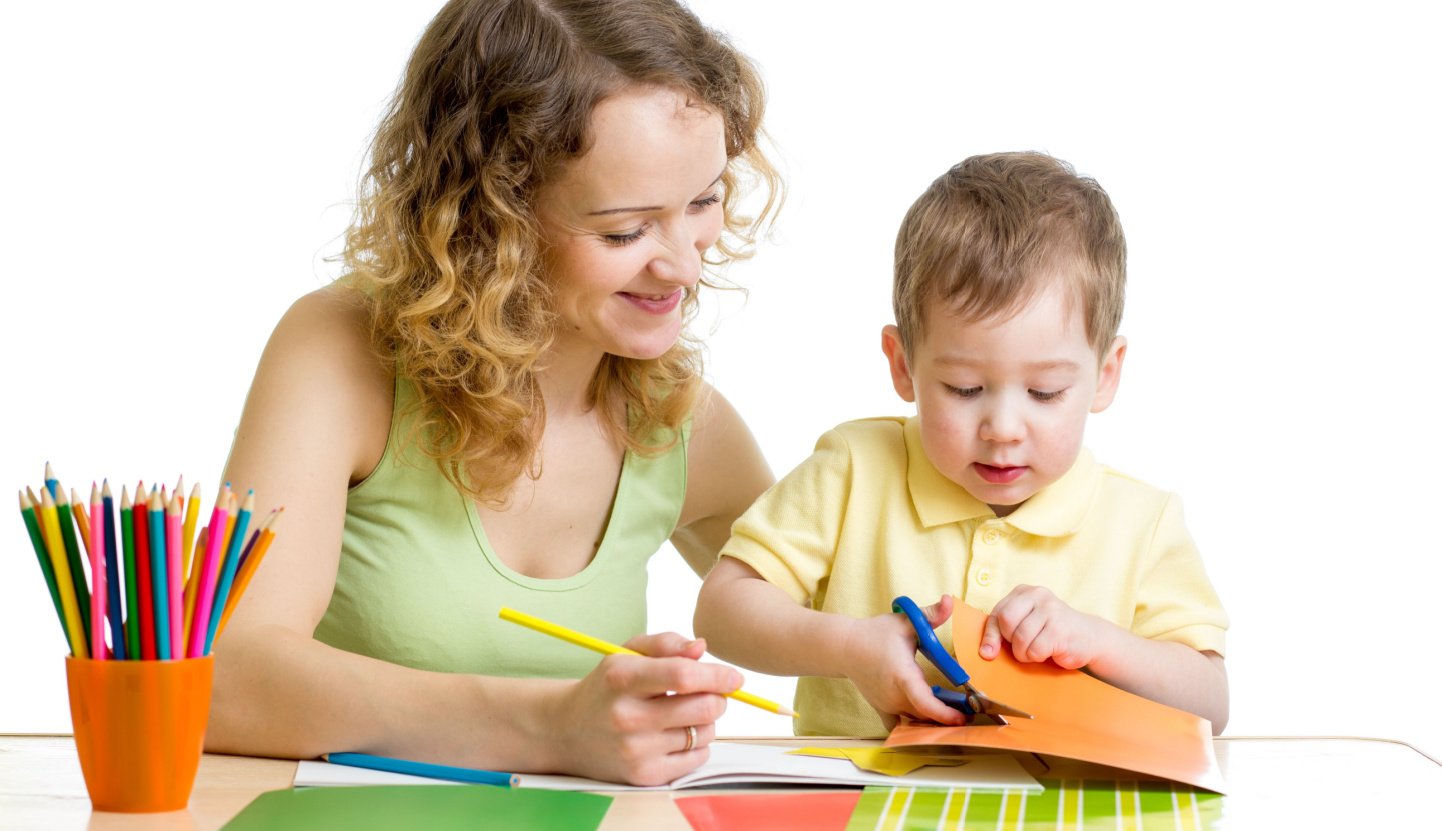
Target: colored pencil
pixel 37 541
pixel 113 580
pixel 176 582
pixel 474 776
pixel 51 483
pixel 248 565
pixel 132 590
pixel 192 511
pixel 72 557
pixel 159 579
pixel 232 561
pixel 82 522
pixel 598 645
pixel 192 587
pixel 208 567
pixel 250 543
pixel 98 592
pixel 144 579
pixel 64 581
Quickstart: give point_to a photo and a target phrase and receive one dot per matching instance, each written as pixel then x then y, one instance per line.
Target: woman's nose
pixel 679 260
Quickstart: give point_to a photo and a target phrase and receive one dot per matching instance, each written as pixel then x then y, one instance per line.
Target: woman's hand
pixel 885 670
pixel 626 721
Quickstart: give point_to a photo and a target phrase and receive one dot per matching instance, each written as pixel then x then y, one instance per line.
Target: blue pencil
pixel 51 483
pixel 227 575
pixel 112 574
pixel 478 777
pixel 159 585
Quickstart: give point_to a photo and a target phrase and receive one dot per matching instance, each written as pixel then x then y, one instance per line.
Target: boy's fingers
pixel 940 611
pixel 990 638
pixel 927 705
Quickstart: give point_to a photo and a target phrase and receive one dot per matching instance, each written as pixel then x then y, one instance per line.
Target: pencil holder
pixel 139 727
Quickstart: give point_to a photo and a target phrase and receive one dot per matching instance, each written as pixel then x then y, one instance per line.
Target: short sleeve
pixel 1176 601
pixel 790 534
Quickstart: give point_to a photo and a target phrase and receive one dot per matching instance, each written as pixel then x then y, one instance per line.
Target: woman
pixel 499 406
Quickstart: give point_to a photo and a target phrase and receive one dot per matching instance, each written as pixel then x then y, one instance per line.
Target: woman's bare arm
pixel 725 474
pixel 316 420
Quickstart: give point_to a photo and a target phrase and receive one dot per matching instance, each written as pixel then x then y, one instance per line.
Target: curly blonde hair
pixel 494 102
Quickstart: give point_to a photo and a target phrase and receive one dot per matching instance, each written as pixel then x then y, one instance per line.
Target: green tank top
pixel 418 583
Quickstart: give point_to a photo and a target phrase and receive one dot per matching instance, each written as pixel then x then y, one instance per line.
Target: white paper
pixel 730 764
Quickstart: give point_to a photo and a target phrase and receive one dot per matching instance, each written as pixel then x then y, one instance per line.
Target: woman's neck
pixel 565 376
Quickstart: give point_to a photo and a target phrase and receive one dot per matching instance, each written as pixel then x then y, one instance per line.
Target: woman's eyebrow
pixel 649 207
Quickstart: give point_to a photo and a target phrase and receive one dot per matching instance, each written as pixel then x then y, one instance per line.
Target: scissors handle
pixel 928 643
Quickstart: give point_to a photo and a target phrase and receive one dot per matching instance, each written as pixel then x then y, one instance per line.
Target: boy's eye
pixel 1041 395
pixel 964 392
pixel 625 239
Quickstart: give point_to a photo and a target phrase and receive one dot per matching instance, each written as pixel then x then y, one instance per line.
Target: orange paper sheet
pixel 1074 715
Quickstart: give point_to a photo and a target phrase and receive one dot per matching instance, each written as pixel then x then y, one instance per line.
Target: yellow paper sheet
pixel 881 759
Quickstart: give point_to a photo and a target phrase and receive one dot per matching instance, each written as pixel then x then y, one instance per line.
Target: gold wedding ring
pixel 690 739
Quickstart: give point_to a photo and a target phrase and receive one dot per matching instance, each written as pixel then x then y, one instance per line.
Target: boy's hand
pixel 1040 626
pixel 884 668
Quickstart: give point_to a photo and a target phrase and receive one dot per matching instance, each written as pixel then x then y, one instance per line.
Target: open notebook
pixel 730 764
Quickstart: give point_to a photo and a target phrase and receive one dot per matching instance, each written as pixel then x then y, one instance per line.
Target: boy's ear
pixel 896 359
pixel 1110 375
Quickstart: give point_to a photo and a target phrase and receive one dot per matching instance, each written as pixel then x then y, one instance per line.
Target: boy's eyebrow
pixel 1035 366
pixel 648 207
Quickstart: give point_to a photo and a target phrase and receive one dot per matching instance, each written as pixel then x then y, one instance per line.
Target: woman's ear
pixel 896 359
pixel 1110 375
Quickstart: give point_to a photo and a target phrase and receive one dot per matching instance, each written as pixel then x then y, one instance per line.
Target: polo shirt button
pixel 990 536
pixel 983 577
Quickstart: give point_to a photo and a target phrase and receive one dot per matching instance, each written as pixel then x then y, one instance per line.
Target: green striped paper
pixel 1112 804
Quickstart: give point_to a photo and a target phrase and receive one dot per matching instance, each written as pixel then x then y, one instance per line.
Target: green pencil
pixel 132 595
pixel 72 554
pixel 38 541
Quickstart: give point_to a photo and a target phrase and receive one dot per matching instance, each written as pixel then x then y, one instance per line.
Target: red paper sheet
pixel 1074 715
pixel 770 811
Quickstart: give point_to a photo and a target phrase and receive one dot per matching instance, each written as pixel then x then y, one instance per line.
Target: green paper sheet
pixel 436 807
pixel 1065 804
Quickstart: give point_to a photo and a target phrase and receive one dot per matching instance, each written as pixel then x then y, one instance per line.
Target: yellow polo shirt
pixel 868 517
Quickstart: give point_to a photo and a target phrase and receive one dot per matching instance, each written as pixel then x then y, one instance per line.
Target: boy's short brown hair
pixel 993 232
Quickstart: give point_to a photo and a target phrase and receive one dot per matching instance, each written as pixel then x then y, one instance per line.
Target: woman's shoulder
pixel 724 465
pixel 320 360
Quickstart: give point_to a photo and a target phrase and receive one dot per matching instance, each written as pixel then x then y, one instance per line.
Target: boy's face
pixel 1002 405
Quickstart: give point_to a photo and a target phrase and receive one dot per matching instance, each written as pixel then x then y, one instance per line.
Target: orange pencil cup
pixel 139 727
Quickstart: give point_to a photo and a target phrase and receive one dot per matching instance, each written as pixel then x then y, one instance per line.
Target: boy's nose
pixel 1002 424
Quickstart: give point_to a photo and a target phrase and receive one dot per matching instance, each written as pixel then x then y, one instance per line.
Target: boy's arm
pixel 1040 626
pixel 752 623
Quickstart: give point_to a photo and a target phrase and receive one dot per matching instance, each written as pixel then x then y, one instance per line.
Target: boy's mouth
pixel 999 475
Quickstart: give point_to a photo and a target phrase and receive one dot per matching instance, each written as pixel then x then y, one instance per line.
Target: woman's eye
pixel 701 204
pixel 1042 395
pixel 964 392
pixel 625 239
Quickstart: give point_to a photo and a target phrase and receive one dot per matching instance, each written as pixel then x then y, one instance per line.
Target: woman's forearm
pixel 281 693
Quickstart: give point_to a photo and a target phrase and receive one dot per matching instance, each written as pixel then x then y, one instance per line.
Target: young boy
pixel 1009 280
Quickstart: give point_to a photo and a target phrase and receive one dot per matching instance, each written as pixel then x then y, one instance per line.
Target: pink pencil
pixel 97 575
pixel 205 599
pixel 175 579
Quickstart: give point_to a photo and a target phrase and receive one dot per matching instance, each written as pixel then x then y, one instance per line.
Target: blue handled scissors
pixel 965 698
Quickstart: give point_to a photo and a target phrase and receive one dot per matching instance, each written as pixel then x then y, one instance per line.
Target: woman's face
pixel 626 224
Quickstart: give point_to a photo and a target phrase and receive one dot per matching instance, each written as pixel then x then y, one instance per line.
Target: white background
pixel 174 174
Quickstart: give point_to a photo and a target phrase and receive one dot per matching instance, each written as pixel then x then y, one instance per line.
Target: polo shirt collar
pixel 1057 510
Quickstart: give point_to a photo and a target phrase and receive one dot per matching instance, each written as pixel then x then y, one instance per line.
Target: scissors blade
pixel 995 708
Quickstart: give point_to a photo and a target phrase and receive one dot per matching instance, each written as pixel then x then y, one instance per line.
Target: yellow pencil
pixel 192 510
pixel 64 580
pixel 598 645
